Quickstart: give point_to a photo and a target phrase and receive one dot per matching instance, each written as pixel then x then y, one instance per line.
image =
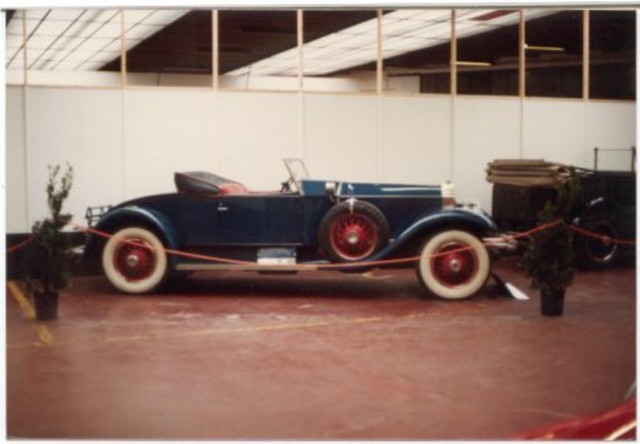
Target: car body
pixel 604 205
pixel 214 223
pixel 615 424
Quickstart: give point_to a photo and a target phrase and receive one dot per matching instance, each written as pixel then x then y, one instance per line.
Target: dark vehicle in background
pixel 605 205
pixel 213 223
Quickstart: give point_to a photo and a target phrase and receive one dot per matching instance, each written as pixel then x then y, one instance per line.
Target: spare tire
pixel 353 231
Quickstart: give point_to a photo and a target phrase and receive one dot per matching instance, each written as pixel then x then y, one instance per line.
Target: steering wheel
pixel 286 186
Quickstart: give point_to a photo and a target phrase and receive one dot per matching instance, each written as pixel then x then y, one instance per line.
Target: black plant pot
pixel 552 302
pixel 46 305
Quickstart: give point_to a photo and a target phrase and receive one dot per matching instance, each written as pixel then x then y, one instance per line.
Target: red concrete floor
pixel 317 356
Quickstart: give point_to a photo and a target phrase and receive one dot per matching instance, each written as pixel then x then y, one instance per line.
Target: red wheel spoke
pixel 455 268
pixel 353 236
pixel 134 259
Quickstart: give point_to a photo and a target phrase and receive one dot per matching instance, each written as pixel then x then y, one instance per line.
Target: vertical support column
pixel 25 132
pixel 24 48
pixel 380 62
pixel 123 52
pixel 300 34
pixel 454 55
pixel 301 107
pixel 215 54
pixel 379 90
pixel 123 86
pixel 453 64
pixel 586 60
pixel 522 56
pixel 522 83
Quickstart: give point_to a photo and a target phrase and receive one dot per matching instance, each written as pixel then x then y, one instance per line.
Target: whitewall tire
pixel 134 260
pixel 453 264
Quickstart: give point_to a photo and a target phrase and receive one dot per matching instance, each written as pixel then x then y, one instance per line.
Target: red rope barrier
pixel 601 237
pixel 342 265
pixel 20 245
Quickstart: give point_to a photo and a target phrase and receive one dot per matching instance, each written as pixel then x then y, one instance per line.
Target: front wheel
pixel 453 264
pixel 134 260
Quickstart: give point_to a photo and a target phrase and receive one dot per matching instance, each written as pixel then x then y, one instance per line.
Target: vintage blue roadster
pixel 213 223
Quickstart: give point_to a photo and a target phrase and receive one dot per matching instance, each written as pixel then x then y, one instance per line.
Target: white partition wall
pixel 416 136
pixel 611 126
pixel 16 170
pixel 255 132
pixel 556 130
pixel 79 126
pixel 341 139
pixel 484 129
pixel 127 143
pixel 166 131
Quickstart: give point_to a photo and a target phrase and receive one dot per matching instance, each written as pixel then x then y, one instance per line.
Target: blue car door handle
pixel 222 208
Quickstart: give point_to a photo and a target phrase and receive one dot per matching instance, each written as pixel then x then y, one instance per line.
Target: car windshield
pixel 297 171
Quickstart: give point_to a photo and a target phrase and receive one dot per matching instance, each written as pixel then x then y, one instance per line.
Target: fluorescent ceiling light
pixel 67 39
pixel 544 48
pixel 403 31
pixel 468 63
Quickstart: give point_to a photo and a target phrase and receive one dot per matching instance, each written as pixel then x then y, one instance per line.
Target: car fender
pixel 473 220
pixel 131 216
pixel 591 207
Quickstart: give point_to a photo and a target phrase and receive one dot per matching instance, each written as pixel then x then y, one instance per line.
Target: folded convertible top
pixel 527 172
pixel 201 182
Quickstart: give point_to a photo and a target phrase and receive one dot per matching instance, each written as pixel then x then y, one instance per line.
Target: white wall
pixel 127 143
pixel 485 129
pixel 416 135
pixel 16 172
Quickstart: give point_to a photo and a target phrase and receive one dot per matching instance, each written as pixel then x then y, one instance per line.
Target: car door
pixel 259 220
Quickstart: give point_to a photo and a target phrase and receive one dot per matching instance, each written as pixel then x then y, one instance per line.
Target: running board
pixel 247 267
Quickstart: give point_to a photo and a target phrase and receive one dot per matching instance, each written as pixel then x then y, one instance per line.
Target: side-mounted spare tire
pixel 353 231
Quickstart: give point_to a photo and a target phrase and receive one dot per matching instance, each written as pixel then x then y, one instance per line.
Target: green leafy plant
pixel 549 259
pixel 47 257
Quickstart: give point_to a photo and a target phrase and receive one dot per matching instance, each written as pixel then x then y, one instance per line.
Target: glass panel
pixel 340 50
pixel 487 51
pixel 416 49
pixel 612 59
pixel 167 47
pixel 258 50
pixel 554 54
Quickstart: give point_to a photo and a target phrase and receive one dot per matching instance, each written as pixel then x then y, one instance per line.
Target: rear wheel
pixel 134 260
pixel 597 252
pixel 453 264
pixel 352 231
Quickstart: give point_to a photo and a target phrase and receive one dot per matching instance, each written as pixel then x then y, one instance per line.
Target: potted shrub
pixel 47 258
pixel 549 259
